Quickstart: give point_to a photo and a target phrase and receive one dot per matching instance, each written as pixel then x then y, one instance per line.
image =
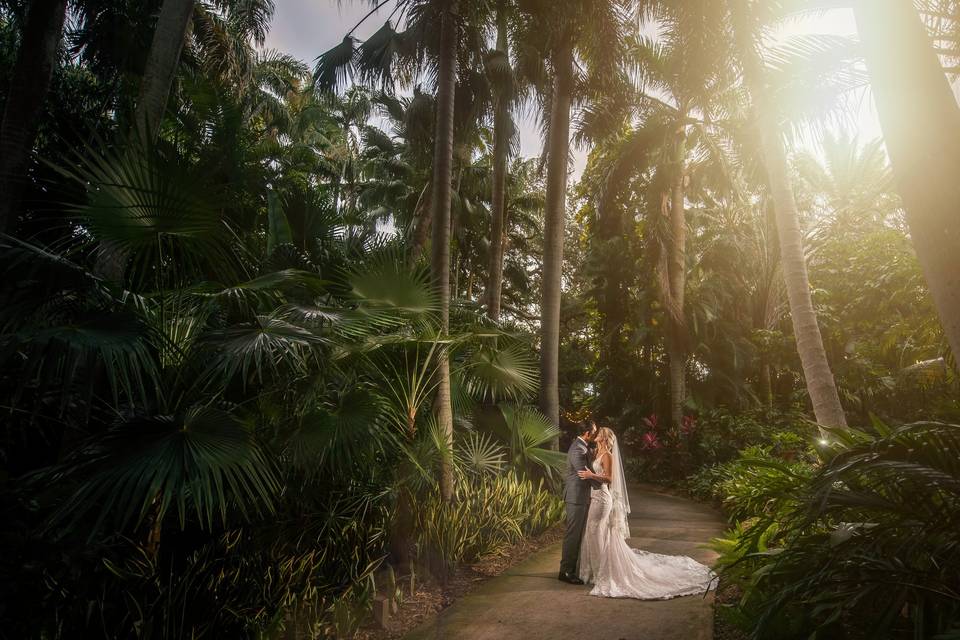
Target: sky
pixel 306 28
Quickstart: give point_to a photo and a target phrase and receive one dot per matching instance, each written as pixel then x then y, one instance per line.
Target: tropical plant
pixel 29 83
pixel 747 25
pixel 681 92
pixel 490 513
pixel 913 91
pixel 868 537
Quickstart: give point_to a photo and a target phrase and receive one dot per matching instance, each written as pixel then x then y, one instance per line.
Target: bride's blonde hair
pixel 605 439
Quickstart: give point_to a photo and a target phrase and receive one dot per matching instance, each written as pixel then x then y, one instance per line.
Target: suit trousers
pixel 576 523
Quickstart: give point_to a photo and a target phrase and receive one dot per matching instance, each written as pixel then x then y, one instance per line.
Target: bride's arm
pixel 586 474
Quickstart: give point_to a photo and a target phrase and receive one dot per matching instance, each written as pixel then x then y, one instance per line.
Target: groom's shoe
pixel 569 579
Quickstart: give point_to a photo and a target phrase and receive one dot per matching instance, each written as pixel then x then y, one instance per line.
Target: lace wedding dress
pixel 617 570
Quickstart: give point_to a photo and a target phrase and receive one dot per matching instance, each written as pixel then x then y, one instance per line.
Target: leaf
pixel 204 462
pixel 150 213
pixel 502 373
pixel 336 437
pixel 390 285
pixel 334 67
pixel 278 229
pixel 266 345
pixel 478 453
pixel 375 58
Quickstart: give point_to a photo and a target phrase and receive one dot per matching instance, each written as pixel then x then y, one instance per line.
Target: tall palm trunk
pixel 440 250
pixel 813 358
pixel 161 67
pixel 421 222
pixel 921 127
pixel 501 148
pixel 559 148
pixel 766 384
pixel 677 278
pixel 29 84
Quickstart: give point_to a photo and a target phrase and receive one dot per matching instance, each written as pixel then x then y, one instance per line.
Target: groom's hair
pixel 586 426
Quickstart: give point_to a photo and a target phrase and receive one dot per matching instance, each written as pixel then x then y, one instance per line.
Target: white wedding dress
pixel 617 570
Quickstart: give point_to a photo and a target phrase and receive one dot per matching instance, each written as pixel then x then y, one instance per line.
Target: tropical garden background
pixel 277 334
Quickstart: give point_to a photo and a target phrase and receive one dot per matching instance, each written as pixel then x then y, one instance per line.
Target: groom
pixel 576 498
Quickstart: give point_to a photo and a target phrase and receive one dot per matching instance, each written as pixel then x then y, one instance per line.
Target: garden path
pixel 527 602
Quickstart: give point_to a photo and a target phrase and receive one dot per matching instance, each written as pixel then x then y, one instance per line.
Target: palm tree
pixel 29 83
pixel 162 62
pixel 226 41
pixel 684 67
pixel 375 60
pixel 440 245
pixel 682 93
pixel 498 64
pixel 921 125
pixel 558 143
pixel 591 31
pixel 855 178
pixel 816 370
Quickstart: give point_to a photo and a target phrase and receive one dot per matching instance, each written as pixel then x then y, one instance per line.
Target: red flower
pixel 651 421
pixel 650 441
pixel 688 424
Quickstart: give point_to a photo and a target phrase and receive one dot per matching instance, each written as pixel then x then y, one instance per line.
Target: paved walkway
pixel 528 602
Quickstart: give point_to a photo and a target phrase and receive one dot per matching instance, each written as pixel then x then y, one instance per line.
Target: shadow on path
pixel 527 602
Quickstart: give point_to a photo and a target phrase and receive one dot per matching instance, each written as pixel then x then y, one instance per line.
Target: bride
pixel 615 569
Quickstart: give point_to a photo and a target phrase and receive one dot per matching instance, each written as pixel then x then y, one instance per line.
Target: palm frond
pixel 478 454
pixel 150 212
pixel 260 349
pixel 336 438
pixel 204 463
pixel 335 67
pixel 504 373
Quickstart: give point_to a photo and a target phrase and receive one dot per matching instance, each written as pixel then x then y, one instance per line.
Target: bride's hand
pixel 585 474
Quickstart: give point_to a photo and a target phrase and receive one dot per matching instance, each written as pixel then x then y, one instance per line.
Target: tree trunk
pixel 677 276
pixel 29 84
pixel 456 266
pixel 402 533
pixel 501 149
pixel 554 215
pixel 766 386
pixel 813 358
pixel 421 223
pixel 161 67
pixel 440 250
pixel 921 128
pixel 456 250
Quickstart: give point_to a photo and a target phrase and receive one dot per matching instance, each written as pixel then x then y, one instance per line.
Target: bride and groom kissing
pixel 595 549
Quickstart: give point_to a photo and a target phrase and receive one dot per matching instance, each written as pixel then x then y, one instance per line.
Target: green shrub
pixel 870 541
pixel 310 572
pixel 487 514
pixel 658 453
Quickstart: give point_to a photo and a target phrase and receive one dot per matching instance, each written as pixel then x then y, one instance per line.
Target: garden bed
pixel 431 597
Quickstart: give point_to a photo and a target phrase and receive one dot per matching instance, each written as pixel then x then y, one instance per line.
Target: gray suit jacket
pixel 576 490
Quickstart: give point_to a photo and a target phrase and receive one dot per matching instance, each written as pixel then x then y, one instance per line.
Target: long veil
pixel 618 490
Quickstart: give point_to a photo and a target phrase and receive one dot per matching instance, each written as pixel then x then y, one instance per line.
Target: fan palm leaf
pixel 267 345
pixel 495 373
pixel 337 436
pixel 530 435
pixel 204 463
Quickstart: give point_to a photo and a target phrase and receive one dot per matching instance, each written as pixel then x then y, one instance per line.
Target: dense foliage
pixel 269 335
pixel 219 353
pixel 861 537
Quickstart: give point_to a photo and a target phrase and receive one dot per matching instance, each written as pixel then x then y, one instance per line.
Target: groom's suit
pixel 576 496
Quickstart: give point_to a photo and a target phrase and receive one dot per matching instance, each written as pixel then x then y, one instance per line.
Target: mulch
pixel 432 597
pixel 726 594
